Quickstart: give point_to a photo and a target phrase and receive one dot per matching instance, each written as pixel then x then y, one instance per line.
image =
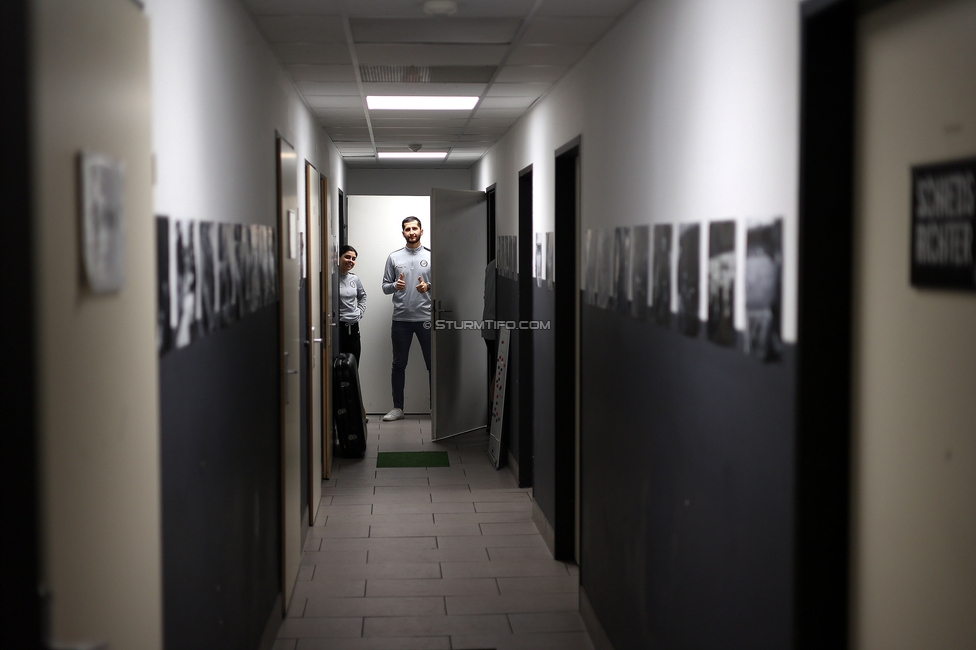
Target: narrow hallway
pixel 429 557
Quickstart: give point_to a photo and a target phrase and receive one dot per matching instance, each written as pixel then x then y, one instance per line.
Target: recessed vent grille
pixel 452 74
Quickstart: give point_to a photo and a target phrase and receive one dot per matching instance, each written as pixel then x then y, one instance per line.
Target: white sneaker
pixel 395 414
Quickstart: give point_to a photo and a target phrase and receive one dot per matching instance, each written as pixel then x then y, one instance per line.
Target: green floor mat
pixel 412 459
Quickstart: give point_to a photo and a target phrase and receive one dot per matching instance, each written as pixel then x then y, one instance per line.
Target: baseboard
pixel 272 626
pixel 543 526
pixel 593 626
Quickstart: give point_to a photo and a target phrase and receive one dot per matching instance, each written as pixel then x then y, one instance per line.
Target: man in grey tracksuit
pixel 407 277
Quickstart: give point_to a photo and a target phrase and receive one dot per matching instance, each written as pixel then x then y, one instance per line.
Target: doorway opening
pixel 523 339
pixel 566 440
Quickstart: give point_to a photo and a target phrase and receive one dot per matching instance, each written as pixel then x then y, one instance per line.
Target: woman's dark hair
pixel 345 249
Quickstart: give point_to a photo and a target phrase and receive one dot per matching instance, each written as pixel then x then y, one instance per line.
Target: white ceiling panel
pixel 556 29
pixel 477 138
pixel 532 90
pixel 335 114
pixel 314 53
pixel 499 113
pixel 293 6
pixel 414 9
pixel 429 30
pixel 309 88
pixel 415 54
pixel 415 130
pixel 584 8
pixel 401 121
pixel 335 101
pixel 303 29
pixel 465 90
pixel 531 73
pixel 520 103
pixel 555 54
pixel 328 73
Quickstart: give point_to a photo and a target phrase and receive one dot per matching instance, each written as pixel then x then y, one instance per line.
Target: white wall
pixel 688 113
pixel 375 232
pixel 406 182
pixel 914 406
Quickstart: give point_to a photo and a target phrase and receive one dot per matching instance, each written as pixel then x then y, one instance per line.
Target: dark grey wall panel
pixel 544 396
pixel 687 488
pixel 219 432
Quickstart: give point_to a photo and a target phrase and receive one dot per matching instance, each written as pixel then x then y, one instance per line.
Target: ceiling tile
pixel 434 30
pixel 314 53
pixel 466 90
pixel 309 88
pixel 499 113
pixel 530 90
pixel 415 54
pixel 519 103
pixel 293 6
pixel 466 8
pixel 409 122
pixel 335 101
pixel 558 54
pixel 340 114
pixel 301 72
pixel 303 29
pixel 556 29
pixel 531 73
pixel 585 7
pixel 415 130
pixel 477 138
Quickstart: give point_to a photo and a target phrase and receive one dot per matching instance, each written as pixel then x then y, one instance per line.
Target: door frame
pixel 566 329
pixel 312 178
pixel 326 264
pixel 526 352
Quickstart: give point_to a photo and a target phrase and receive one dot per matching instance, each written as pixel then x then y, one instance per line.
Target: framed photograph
pixel 689 239
pixel 661 277
pixel 640 250
pixel 721 282
pixel 764 282
pixel 102 216
pixel 550 260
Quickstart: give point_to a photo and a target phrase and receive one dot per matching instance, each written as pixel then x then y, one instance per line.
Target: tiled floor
pixel 429 558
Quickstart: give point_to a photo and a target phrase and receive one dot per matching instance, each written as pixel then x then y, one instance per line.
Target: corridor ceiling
pixel 508 53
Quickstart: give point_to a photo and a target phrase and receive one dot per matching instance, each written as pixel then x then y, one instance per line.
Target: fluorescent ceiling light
pixel 419 103
pixel 412 155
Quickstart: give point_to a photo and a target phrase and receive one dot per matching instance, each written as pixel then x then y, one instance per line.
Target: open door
pixel 290 398
pixel 459 403
pixel 327 276
pixel 315 361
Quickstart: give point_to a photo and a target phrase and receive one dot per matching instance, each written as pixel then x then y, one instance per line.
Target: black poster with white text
pixel 943 223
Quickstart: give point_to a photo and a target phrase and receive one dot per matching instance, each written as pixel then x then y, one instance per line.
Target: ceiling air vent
pixel 455 74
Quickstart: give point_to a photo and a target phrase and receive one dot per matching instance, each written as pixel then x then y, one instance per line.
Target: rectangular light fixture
pixel 419 103
pixel 412 155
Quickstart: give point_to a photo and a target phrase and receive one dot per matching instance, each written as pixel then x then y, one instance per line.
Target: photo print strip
pixel 764 287
pixel 661 293
pixel 689 237
pixel 640 250
pixel 721 282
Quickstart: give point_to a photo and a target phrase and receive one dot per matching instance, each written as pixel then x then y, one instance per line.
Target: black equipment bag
pixel 347 400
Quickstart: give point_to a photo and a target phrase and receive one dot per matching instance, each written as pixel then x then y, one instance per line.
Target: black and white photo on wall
pixel 589 268
pixel 184 279
pixel 208 307
pixel 689 238
pixel 721 282
pixel 640 247
pixel 764 281
pixel 164 333
pixel 228 274
pixel 550 260
pixel 661 260
pixel 210 276
pixel 101 183
pixel 621 269
pixel 943 246
pixel 604 272
pixel 538 259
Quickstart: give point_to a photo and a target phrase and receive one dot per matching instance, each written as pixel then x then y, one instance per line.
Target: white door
pixel 458 242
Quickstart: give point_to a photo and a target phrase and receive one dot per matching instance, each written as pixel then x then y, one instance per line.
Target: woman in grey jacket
pixel 352 303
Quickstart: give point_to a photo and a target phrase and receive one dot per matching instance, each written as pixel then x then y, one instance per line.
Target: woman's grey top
pixel 352 298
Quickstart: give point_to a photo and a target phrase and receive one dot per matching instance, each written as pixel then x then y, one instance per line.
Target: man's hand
pixel 421 285
pixel 400 284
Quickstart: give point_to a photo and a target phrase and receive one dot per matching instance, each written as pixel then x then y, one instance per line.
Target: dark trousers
pixel 402 334
pixel 349 340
